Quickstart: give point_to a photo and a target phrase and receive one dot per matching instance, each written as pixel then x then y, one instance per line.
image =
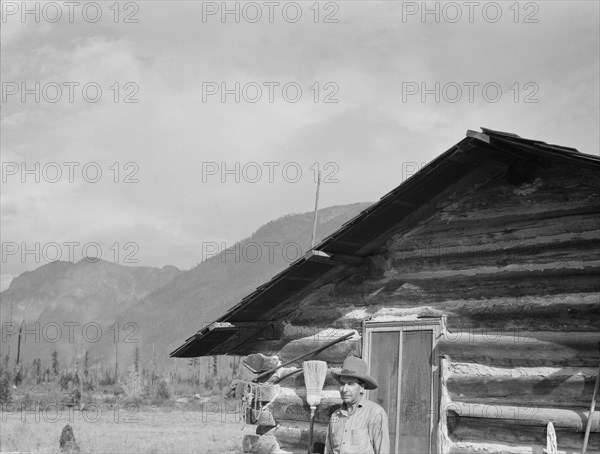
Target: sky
pixel 149 132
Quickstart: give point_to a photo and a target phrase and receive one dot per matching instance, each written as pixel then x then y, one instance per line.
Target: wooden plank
pixel 570 420
pixel 266 392
pixel 535 348
pixel 288 377
pixel 504 272
pixel 553 192
pixel 333 258
pixel 294 408
pixel 561 389
pixel 293 378
pixel 478 135
pixel 312 348
pixel 384 359
pixel 474 430
pixel 473 237
pixel 415 392
pixel 258 362
pixel 503 227
pixel 334 354
pixel 295 435
pixel 451 219
pixel 571 312
pixel 397 290
pixel 561 312
pixel 500 448
pixel 512 257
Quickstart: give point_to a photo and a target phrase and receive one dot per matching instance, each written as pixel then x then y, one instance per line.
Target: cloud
pixel 166 139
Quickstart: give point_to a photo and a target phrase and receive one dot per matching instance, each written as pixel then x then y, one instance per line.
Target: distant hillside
pixel 57 300
pixel 154 308
pixel 207 291
pixel 86 290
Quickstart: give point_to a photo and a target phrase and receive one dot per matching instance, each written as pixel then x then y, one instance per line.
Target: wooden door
pixel 402 357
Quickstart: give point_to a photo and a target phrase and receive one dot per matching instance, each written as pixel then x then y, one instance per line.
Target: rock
pixel 67 442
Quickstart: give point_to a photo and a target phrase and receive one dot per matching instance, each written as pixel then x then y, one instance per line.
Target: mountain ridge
pixel 154 308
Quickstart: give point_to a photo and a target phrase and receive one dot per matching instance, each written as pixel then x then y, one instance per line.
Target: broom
pixel 314 377
pixel 551 442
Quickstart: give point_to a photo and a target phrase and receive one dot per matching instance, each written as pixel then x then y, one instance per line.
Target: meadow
pixel 125 429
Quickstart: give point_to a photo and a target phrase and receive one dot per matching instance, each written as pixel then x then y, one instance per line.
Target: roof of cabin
pixel 338 255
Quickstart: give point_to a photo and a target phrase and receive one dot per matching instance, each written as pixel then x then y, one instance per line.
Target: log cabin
pixel 471 290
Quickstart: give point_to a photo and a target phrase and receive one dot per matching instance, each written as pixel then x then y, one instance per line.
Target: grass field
pixel 123 430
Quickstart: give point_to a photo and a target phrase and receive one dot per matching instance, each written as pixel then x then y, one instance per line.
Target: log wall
pixel 515 271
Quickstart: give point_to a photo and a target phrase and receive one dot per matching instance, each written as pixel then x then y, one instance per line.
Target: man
pixel 359 426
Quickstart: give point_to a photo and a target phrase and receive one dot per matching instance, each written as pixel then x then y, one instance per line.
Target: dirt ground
pixel 123 430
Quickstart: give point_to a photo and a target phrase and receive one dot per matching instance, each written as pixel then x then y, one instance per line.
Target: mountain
pixel 204 293
pixel 61 303
pixel 154 308
pixel 86 291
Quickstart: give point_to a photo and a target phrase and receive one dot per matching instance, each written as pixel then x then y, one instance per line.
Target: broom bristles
pixel 314 378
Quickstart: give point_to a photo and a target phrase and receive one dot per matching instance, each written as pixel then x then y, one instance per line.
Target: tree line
pixel 138 380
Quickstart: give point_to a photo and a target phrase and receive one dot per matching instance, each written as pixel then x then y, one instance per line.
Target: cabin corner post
pixel 443 438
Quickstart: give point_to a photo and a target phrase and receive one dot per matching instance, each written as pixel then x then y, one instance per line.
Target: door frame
pixel 435 324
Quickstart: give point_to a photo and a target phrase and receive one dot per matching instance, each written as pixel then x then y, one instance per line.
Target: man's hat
pixel 356 368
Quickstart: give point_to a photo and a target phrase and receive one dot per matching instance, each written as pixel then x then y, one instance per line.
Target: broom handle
pixel 591 414
pixel 310 431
